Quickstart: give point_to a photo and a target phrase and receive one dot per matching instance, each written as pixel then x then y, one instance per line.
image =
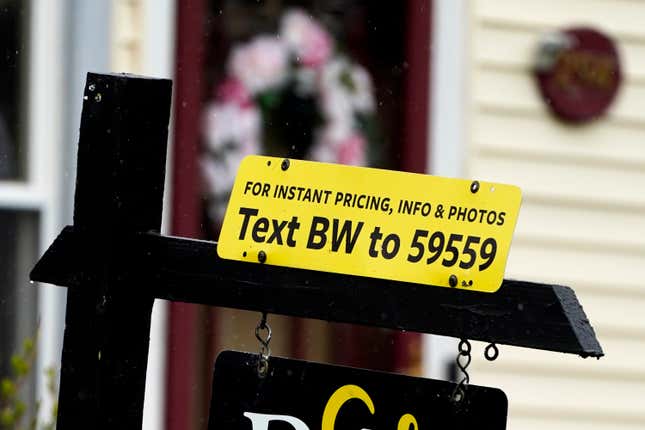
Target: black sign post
pixel 115 263
pixel 119 192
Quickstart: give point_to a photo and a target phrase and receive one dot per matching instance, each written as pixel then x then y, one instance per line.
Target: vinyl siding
pixel 582 221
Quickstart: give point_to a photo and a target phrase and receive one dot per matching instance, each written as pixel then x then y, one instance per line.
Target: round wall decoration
pixel 578 72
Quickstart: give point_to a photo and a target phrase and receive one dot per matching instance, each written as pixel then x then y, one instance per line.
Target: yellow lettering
pixel 339 398
pixel 405 421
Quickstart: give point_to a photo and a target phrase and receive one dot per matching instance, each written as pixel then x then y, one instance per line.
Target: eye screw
pixel 453 281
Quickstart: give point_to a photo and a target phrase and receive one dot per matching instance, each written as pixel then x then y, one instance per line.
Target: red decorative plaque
pixel 578 73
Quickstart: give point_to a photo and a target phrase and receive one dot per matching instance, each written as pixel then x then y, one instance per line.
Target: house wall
pixel 582 221
pixel 128 37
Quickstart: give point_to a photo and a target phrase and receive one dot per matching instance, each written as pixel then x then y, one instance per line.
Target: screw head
pixel 474 187
pixel 262 256
pixel 285 164
pixel 453 281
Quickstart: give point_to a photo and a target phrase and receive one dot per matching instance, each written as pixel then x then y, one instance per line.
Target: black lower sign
pixel 300 395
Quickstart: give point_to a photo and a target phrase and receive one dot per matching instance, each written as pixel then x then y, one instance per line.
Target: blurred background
pixel 549 96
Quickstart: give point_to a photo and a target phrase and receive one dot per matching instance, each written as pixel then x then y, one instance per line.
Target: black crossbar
pixel 526 314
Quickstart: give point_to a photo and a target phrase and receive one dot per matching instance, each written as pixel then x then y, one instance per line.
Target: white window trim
pixel 159 18
pixel 21 195
pixel 448 123
pixel 42 190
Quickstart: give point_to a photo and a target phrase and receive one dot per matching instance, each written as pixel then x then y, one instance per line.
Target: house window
pixel 11 72
pixel 31 112
pixel 18 222
pixel 18 219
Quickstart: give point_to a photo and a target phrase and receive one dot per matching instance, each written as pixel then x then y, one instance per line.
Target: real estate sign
pixel 300 395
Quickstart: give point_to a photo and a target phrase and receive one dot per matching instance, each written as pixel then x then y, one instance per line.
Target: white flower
pixel 219 175
pixel 230 132
pixel 336 106
pixel 309 41
pixel 216 176
pixel 363 97
pixel 260 64
pixel 337 131
pixel 305 80
pixel 229 124
pixel 345 88
pixel 323 150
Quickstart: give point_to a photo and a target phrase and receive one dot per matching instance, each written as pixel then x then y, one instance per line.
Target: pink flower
pixel 309 41
pixel 260 64
pixel 232 90
pixel 338 145
pixel 352 150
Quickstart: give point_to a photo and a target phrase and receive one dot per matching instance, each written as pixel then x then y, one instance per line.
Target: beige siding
pixel 582 221
pixel 127 36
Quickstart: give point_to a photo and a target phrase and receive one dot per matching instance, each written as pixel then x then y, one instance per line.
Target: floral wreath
pixel 292 87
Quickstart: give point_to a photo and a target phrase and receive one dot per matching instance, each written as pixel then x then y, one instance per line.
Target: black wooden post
pixel 119 190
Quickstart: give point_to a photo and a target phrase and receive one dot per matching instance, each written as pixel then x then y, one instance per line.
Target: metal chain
pixel 462 361
pixel 265 350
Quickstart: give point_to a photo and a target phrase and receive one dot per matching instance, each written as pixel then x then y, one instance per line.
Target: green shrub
pixel 12 407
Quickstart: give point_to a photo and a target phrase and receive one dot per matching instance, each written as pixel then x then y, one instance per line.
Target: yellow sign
pixel 370 222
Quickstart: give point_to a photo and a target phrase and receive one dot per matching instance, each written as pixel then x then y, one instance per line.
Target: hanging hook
pixel 265 350
pixel 463 361
pixel 491 352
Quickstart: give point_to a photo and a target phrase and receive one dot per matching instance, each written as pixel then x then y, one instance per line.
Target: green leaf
pixel 269 99
pixel 346 80
pixel 21 407
pixel 50 374
pixel 28 346
pixel 7 418
pixel 19 365
pixel 33 423
pixel 7 389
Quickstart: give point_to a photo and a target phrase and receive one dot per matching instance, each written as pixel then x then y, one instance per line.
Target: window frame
pixel 39 190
